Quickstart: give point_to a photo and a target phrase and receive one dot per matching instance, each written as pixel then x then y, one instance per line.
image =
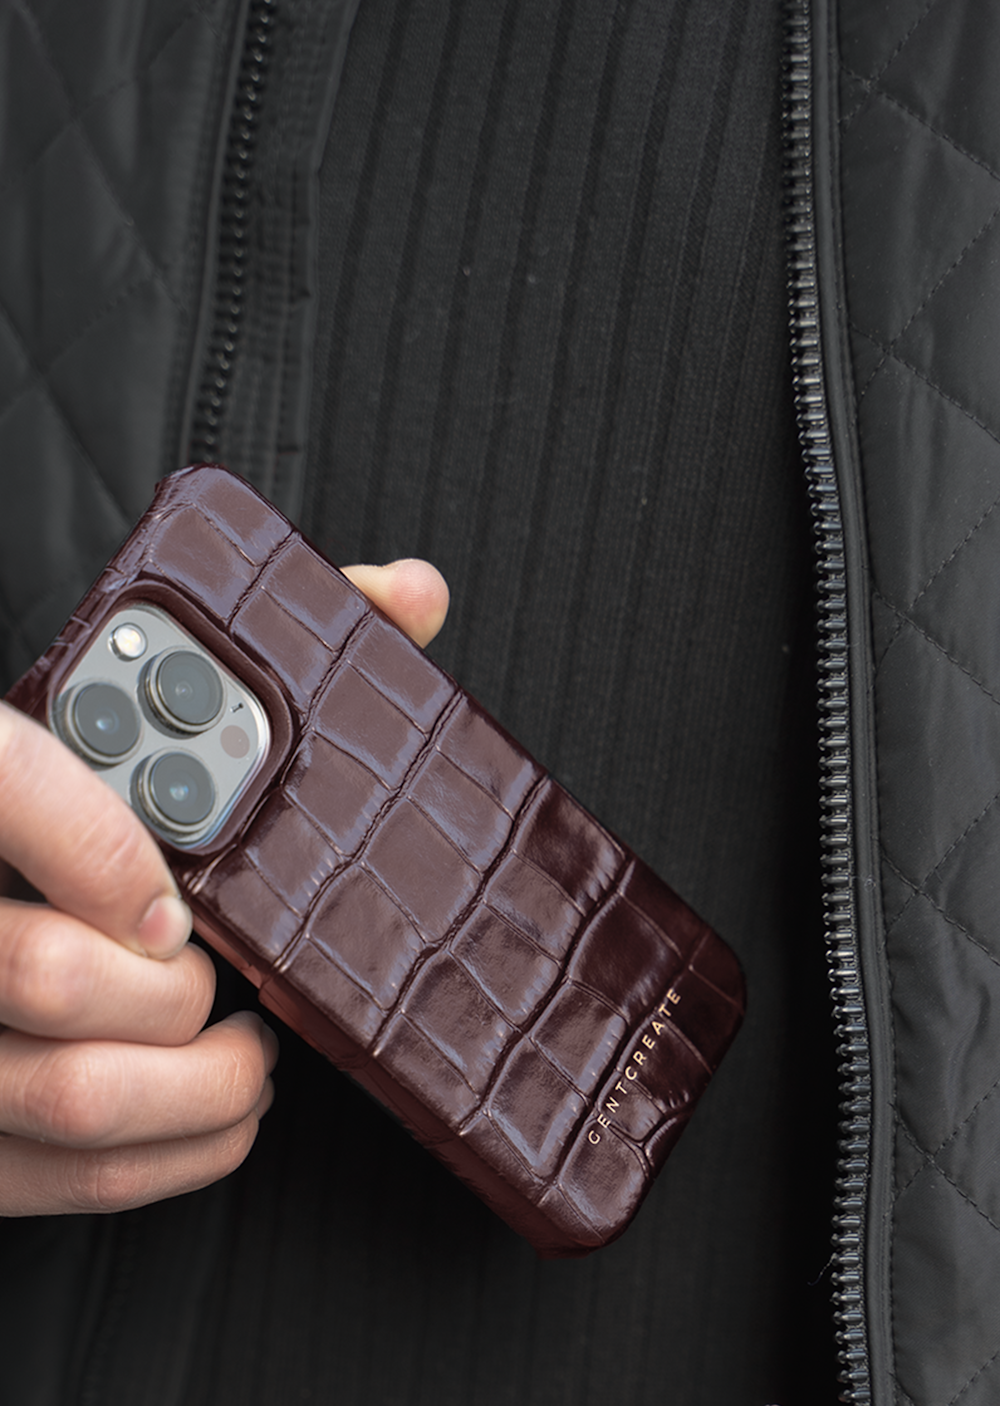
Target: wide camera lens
pixel 186 691
pixel 104 720
pixel 177 791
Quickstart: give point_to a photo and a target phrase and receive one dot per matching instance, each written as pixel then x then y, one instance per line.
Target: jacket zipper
pixel 837 821
pixel 228 298
pixel 853 1168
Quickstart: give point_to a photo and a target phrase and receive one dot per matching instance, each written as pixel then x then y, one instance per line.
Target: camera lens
pixel 103 722
pixel 177 791
pixel 186 692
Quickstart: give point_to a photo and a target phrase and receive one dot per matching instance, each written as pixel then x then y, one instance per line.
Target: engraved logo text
pixel 634 1063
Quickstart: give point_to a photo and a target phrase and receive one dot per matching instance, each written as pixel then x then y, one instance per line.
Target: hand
pixel 112 1094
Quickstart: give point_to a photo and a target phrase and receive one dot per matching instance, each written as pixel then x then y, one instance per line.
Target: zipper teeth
pixel 834 718
pixel 228 299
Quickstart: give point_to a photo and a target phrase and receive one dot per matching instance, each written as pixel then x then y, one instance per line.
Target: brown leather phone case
pixel 414 895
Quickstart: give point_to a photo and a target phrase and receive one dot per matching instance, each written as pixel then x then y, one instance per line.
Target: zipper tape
pixel 835 724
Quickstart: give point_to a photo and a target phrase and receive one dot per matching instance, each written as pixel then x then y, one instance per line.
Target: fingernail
pixel 166 926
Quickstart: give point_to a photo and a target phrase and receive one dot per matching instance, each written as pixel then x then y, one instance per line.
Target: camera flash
pixel 128 642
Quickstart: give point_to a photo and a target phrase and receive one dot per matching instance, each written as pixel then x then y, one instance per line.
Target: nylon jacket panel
pixel 917 181
pixel 113 153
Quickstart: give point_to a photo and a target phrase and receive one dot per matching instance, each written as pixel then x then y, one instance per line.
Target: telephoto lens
pixel 176 791
pixel 102 722
pixel 185 691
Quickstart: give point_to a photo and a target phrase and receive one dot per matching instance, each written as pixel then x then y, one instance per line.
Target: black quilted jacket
pixel 893 149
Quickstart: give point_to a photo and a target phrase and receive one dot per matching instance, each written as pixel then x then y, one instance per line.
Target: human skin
pixel 113 1092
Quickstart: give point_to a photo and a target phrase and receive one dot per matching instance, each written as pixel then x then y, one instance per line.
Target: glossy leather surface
pixel 416 897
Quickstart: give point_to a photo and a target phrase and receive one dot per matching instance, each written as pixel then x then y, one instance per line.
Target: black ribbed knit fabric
pixel 552 357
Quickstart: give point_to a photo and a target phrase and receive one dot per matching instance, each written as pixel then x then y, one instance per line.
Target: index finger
pixel 81 845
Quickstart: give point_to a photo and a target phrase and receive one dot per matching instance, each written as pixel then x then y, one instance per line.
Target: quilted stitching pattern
pixel 98 273
pixel 922 237
pixel 479 945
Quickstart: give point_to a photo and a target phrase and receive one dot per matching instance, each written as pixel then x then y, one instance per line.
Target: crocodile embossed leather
pixel 414 895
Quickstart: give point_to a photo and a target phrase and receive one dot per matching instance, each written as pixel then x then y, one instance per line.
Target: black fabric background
pixel 553 359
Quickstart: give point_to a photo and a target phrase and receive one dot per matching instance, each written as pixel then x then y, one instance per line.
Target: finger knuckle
pixel 40 972
pixel 233 1146
pixel 72 1098
pixel 119 1178
pixel 243 1081
pixel 110 1179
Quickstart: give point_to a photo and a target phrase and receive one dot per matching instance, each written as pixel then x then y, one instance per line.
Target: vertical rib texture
pixel 554 361
pixel 552 357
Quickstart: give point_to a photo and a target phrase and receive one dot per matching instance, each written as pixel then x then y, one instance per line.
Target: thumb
pixel 412 593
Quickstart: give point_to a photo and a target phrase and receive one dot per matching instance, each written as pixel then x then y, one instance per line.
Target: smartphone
pixel 409 889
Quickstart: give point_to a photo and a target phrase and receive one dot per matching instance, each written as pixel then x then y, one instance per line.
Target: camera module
pixel 102 722
pixel 176 791
pixel 171 729
pixel 185 691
